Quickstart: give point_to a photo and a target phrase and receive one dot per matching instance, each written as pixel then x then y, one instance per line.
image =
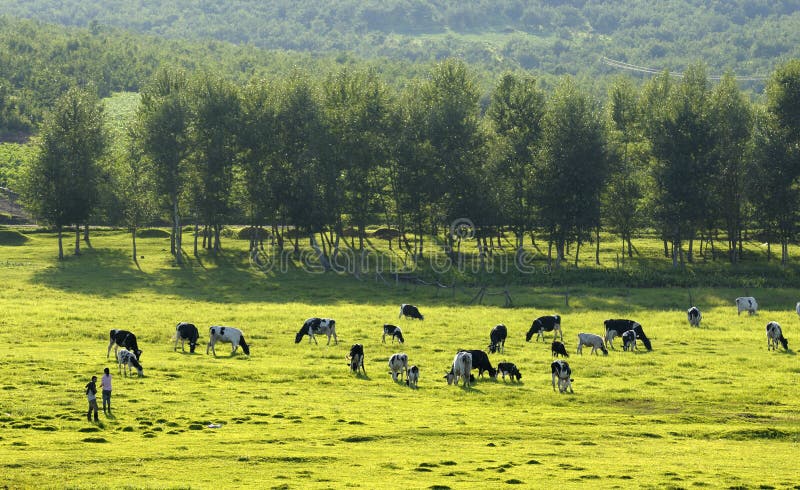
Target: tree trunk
pixel 577 253
pixel 77 239
pixel 60 244
pixel 86 232
pixel 597 249
pixel 196 236
pixel 178 232
pixel 133 240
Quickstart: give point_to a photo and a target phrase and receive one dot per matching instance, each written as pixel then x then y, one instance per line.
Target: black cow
pixel 497 339
pixel 480 361
pixel 123 338
pixel 548 323
pixel 392 331
pixel 557 348
pixel 183 332
pixel 615 328
pixel 356 358
pixel 508 368
pixel 410 311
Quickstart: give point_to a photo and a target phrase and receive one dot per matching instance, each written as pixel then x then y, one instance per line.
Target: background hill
pixel 553 37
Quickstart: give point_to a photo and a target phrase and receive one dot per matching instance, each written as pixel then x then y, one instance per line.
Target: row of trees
pixel 333 155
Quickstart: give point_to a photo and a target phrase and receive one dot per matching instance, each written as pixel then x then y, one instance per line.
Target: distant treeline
pixel 550 37
pixel 330 154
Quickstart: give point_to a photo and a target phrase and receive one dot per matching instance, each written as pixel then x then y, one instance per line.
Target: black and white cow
pixel 629 341
pixel 398 365
pixel 356 358
pixel 694 316
pixel 230 335
pixel 774 336
pixel 183 332
pixel 480 361
pixel 748 304
pixel 127 360
pixel 557 348
pixel 461 369
pixel 410 311
pixel 548 323
pixel 508 368
pixel 412 378
pixel 123 338
pixel 392 331
pixel 563 373
pixel 497 339
pixel 593 340
pixel 317 326
pixel 617 327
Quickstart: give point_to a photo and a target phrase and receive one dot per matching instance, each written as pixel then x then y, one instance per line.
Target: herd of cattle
pixel 464 362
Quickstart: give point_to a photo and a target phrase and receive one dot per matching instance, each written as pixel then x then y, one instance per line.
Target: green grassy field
pixel 708 407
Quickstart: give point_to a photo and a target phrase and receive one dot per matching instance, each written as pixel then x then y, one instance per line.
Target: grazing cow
pixel 398 365
pixel 549 323
pixel 317 326
pixel 593 340
pixel 127 360
pixel 410 311
pixel 462 367
pixel 393 332
pixel 561 370
pixel 629 341
pixel 694 316
pixel 748 304
pixel 497 339
pixel 356 358
pixel 508 368
pixel 615 328
pixel 480 361
pixel 123 338
pixel 412 377
pixel 557 348
pixel 183 332
pixel 230 335
pixel 775 335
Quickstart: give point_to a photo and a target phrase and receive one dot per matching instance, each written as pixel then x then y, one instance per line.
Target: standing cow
pixel 410 311
pixel 748 304
pixel 123 338
pixel 547 323
pixel 231 335
pixel 183 332
pixel 694 316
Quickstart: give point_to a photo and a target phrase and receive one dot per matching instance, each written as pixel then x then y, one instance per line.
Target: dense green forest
pixel 548 36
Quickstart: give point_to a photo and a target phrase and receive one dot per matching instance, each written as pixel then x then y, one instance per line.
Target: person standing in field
pixel 105 383
pixel 91 395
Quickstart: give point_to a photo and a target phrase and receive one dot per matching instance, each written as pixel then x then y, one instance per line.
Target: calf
pixel 123 338
pixel 412 377
pixel 557 348
pixel 398 364
pixel 317 326
pixel 230 335
pixel 694 316
pixel 629 341
pixel 410 311
pixel 775 335
pixel 393 332
pixel 127 360
pixel 560 370
pixel 615 328
pixel 507 368
pixel 183 332
pixel 497 339
pixel 480 361
pixel 549 323
pixel 462 367
pixel 356 358
pixel 748 304
pixel 590 339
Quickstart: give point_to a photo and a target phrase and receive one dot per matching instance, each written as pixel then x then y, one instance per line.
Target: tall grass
pixel 707 407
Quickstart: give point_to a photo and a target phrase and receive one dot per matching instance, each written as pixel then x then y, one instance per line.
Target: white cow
pixel 746 303
pixel 462 367
pixel 230 335
pixel 593 340
pixel 127 360
pixel 398 364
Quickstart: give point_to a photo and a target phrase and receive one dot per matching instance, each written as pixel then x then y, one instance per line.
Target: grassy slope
pixel 708 407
